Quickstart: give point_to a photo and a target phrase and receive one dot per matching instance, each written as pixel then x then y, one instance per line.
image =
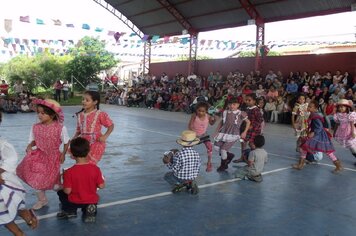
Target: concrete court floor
pixel 137 201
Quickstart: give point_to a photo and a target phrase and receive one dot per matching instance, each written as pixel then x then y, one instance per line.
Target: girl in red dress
pixel 40 168
pixel 89 124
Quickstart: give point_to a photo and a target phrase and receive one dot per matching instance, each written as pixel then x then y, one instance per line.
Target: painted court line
pixel 142 198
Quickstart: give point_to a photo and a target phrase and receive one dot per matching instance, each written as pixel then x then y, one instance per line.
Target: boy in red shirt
pixel 80 183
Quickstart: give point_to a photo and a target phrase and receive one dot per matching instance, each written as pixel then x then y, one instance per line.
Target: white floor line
pixel 319 163
pixel 152 131
pixel 136 199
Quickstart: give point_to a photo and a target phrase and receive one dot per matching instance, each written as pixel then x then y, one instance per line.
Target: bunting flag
pixel 117 36
pixel 8 25
pixel 86 27
pixel 97 29
pixel 155 38
pixel 57 22
pixel 25 19
pixel 39 22
pixel 111 33
pixel 70 25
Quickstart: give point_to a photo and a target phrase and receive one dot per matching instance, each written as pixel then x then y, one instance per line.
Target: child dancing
pixel 255 128
pixel 40 168
pixel 185 164
pixel 345 120
pixel 89 124
pixel 228 131
pixel 199 123
pixel 299 119
pixel 12 193
pixel 317 140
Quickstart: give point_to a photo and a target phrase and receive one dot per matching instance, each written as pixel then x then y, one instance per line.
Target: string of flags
pixel 124 40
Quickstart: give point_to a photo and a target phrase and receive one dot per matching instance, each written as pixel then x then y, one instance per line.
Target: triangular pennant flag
pixel 117 36
pixel 145 37
pixel 70 25
pixel 86 27
pixel 166 39
pixel 97 29
pixel 57 22
pixel 39 22
pixel 8 25
pixel 155 38
pixel 25 19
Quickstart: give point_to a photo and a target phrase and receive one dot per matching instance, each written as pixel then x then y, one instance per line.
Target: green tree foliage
pixel 89 58
pixel 39 71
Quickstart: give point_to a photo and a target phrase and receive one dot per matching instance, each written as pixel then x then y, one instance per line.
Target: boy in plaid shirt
pixel 185 164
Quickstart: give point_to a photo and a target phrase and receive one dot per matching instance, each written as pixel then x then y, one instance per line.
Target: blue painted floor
pixel 137 201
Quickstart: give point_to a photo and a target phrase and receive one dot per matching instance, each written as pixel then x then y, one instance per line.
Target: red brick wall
pixel 310 63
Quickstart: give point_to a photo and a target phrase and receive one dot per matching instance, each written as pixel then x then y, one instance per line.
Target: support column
pixel 146 57
pixel 260 41
pixel 193 48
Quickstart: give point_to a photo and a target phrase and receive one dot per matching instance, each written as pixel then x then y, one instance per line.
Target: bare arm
pixel 107 133
pixel 191 121
pixel 248 123
pixel 30 145
pixel 101 186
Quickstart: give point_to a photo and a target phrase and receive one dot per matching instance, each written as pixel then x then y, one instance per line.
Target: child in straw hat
pixel 185 164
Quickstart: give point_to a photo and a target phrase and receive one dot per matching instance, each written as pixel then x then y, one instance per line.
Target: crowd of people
pixel 241 104
pixel 277 93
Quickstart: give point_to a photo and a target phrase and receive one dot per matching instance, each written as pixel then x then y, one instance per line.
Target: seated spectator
pixel 10 107
pixel 272 93
pixel 269 108
pixel 277 114
pixel 260 92
pixel 292 87
pixel 24 106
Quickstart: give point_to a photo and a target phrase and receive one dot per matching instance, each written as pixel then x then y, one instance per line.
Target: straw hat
pixel 188 138
pixel 345 102
pixel 52 104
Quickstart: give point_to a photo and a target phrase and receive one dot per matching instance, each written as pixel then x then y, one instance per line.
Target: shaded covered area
pixel 152 18
pixel 165 17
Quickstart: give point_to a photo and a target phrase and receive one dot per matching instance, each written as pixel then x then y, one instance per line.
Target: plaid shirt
pixel 186 164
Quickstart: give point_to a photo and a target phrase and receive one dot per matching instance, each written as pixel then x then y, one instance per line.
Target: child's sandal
pixel 33 221
pixel 29 216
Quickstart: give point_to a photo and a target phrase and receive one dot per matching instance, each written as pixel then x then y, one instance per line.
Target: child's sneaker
pixel 66 215
pixel 90 214
pixel 178 188
pixel 194 188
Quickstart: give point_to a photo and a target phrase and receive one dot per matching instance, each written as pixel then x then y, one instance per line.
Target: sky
pixel 337 27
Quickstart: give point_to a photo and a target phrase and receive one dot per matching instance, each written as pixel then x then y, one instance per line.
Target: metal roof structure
pixel 171 17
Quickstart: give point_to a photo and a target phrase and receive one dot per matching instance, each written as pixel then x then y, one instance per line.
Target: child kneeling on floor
pixel 256 162
pixel 185 164
pixel 80 183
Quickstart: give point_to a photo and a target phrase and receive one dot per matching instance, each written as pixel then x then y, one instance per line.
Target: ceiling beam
pixel 156 9
pixel 178 16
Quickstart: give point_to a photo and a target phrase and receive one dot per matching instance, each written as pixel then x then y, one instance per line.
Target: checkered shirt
pixel 186 164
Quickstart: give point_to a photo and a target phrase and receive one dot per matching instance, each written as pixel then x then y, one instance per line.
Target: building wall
pixel 310 63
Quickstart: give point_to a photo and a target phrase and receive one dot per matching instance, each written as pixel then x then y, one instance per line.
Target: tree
pixel 89 58
pixel 41 70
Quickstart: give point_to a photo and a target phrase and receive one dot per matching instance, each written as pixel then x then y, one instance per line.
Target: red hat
pixel 52 104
